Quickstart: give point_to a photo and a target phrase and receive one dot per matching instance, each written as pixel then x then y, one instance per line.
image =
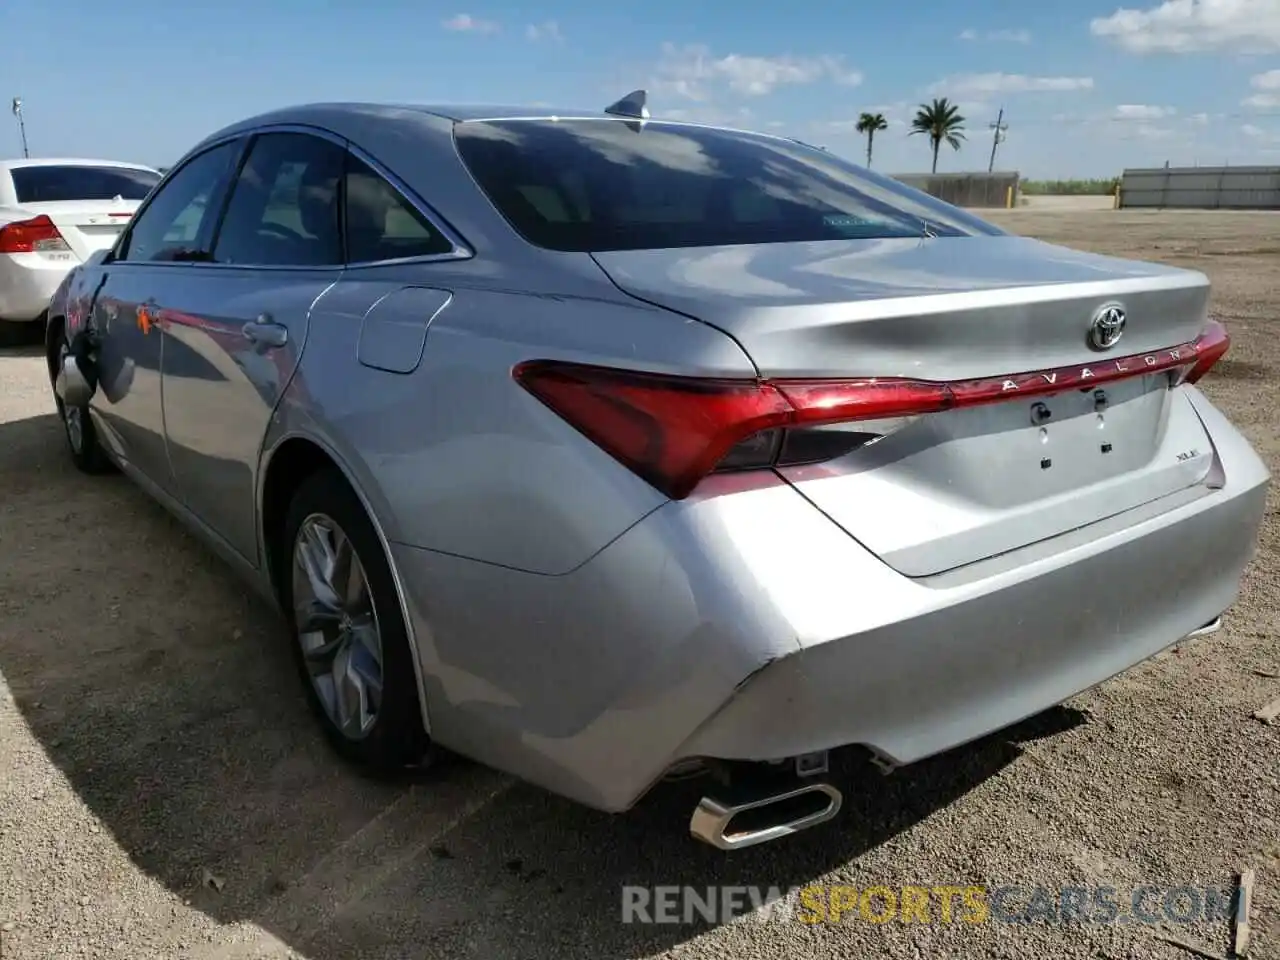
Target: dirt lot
pixel 163 792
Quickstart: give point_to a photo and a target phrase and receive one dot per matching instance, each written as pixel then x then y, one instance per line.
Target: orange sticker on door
pixel 145 320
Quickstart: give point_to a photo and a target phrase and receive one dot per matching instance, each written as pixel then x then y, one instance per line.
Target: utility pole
pixel 22 127
pixel 998 138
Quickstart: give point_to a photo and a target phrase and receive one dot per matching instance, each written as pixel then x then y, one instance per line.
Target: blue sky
pixel 1088 88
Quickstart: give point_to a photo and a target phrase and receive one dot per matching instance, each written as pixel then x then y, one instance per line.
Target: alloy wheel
pixel 337 626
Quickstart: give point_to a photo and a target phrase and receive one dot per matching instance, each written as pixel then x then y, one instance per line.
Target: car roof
pixel 361 121
pixel 453 112
pixel 364 123
pixel 462 112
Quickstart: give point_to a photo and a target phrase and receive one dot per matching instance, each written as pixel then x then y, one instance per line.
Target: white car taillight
pixel 37 235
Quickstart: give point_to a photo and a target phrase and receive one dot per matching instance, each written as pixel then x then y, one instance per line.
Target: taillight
pixel 37 235
pixel 673 431
pixel 1210 348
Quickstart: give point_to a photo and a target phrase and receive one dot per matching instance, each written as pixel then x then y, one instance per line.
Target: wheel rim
pixel 337 626
pixel 71 416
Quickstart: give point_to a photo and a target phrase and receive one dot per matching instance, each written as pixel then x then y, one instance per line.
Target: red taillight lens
pixel 673 431
pixel 1211 347
pixel 31 236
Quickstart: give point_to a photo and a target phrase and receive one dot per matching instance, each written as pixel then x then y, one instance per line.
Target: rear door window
pixel 381 224
pixel 600 185
pixel 57 183
pixel 284 207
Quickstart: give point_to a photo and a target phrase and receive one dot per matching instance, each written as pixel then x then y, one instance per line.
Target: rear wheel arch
pixel 289 465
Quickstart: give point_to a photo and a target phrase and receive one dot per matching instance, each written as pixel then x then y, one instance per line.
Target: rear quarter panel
pixel 455 456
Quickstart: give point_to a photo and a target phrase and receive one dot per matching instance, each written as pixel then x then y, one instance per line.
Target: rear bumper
pixel 944 677
pixel 752 627
pixel 28 282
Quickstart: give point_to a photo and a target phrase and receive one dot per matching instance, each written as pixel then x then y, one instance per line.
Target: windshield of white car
pixel 47 183
pixel 596 185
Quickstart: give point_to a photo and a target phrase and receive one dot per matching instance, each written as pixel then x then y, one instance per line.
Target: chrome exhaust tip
pixel 778 815
pixel 70 384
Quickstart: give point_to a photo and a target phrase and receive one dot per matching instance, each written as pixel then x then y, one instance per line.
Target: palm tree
pixel 940 121
pixel 871 124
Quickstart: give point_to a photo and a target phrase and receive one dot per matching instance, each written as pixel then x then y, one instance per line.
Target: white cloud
pixel 1261 137
pixel 692 72
pixel 1143 111
pixel 544 31
pixel 987 84
pixel 997 36
pixel 465 23
pixel 1266 81
pixel 1185 26
pixel 971 109
pixel 1268 87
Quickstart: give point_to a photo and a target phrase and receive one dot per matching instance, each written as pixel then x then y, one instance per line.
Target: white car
pixel 54 214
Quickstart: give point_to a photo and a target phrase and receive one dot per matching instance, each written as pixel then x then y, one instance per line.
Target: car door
pixel 235 328
pixel 174 225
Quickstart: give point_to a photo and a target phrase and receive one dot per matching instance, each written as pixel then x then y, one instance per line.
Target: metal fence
pixel 1202 188
pixel 966 189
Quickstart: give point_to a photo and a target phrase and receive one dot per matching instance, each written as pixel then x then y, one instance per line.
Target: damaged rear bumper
pixel 742 624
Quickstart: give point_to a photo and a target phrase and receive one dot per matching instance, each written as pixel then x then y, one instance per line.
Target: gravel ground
pixel 163 792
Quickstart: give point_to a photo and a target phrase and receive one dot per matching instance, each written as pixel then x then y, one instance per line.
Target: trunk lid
pixel 86 225
pixel 938 491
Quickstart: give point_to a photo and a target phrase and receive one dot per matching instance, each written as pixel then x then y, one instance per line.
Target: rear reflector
pixel 673 431
pixel 37 235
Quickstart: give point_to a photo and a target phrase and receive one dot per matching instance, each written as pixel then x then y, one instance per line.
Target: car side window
pixel 176 224
pixel 381 224
pixel 284 205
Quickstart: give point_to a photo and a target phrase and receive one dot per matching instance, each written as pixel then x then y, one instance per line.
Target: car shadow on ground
pixel 166 696
pixel 24 351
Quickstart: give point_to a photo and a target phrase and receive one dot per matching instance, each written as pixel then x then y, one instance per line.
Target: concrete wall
pixel 1202 188
pixel 965 189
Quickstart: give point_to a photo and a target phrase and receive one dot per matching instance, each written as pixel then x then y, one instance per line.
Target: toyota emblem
pixel 1107 327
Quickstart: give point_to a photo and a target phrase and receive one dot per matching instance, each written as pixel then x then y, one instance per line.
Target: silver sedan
pixel 602 449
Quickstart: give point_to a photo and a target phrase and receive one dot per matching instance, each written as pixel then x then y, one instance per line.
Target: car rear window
pixel 46 183
pixel 599 185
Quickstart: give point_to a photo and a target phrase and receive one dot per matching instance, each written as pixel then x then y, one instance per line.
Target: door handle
pixel 266 332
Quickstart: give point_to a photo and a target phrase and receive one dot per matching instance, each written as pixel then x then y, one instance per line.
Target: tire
pixel 394 742
pixel 77 426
